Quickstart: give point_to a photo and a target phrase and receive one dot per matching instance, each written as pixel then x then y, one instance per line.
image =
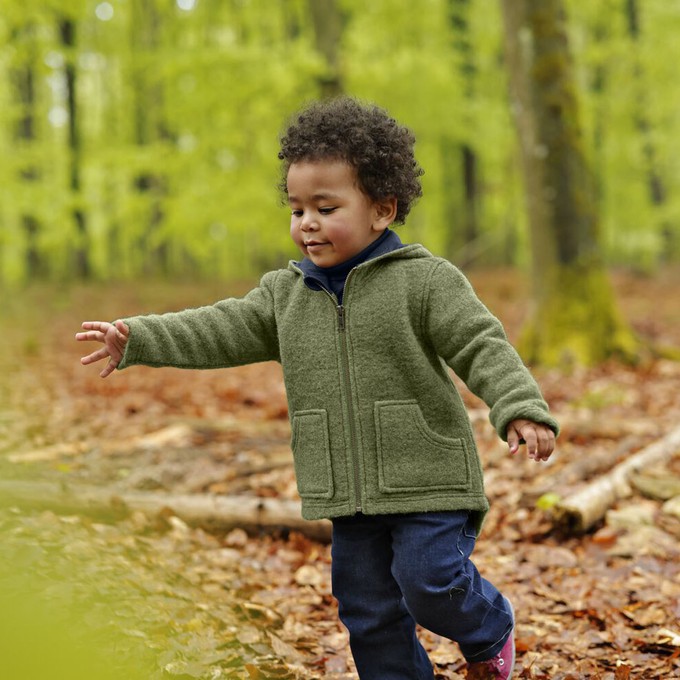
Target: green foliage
pixel 548 501
pixel 144 141
pixel 630 102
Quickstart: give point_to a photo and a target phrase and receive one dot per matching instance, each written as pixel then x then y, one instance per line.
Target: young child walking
pixel 365 328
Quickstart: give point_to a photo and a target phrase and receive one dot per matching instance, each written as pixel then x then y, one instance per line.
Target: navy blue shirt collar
pixel 333 278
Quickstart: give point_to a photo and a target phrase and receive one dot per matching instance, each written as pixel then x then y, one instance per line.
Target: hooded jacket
pixel 377 423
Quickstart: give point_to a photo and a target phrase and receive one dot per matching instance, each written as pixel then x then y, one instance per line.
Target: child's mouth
pixel 314 246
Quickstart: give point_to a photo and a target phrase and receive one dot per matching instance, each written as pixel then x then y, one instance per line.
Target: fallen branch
pixel 214 513
pixel 598 462
pixel 180 434
pixel 583 427
pixel 173 436
pixel 585 508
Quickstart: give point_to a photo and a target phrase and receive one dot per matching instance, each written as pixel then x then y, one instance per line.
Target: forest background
pixel 140 139
pixel 139 173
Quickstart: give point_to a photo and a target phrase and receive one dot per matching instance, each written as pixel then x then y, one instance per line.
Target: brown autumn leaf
pixel 581 607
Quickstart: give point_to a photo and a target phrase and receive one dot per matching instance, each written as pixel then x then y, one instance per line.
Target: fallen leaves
pixel 182 603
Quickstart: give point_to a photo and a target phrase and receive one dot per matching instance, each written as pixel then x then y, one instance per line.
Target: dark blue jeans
pixel 393 571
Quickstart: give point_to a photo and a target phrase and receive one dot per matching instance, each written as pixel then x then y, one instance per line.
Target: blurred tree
pixel 23 77
pixel 140 138
pixel 575 317
pixel 67 35
pixel 328 26
pixel 151 128
pixel 462 242
pixel 656 185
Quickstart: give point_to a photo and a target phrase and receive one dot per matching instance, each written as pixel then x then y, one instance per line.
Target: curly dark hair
pixel 363 135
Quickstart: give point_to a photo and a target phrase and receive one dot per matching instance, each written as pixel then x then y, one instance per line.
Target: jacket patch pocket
pixel 412 457
pixel 312 453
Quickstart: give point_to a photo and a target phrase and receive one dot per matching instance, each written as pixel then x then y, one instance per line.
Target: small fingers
pixel 546 443
pixel 113 336
pixel 95 331
pixel 90 335
pixel 108 369
pixel 102 326
pixel 539 438
pixel 540 442
pixel 513 441
pixel 122 329
pixel 95 356
pixel 530 437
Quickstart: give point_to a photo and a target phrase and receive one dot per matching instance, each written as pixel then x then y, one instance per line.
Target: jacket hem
pixel 475 503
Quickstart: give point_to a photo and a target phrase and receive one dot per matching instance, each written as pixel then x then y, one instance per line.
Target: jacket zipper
pixel 350 407
pixel 340 309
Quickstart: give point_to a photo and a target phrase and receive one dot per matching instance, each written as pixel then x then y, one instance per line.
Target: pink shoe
pixel 500 667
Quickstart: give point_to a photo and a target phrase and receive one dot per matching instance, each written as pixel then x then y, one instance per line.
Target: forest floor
pixel 149 597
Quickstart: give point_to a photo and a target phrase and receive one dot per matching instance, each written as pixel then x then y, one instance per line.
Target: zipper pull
pixel 341 318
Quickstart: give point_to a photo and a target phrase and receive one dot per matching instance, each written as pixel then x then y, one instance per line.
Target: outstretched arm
pixel 473 343
pixel 113 336
pixel 539 438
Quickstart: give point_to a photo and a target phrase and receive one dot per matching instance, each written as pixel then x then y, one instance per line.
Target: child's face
pixel 332 219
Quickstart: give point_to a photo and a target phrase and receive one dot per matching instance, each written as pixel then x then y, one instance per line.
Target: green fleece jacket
pixel 377 423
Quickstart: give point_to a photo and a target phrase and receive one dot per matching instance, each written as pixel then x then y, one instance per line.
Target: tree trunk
pixel 215 513
pixel 470 183
pixel 67 33
pixel 328 24
pixel 656 187
pixel 23 79
pixel 150 126
pixel 458 12
pixel 574 318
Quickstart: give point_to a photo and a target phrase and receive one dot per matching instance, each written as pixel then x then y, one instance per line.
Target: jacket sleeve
pixel 232 332
pixel 473 343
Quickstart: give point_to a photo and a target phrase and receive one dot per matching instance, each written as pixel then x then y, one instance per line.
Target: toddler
pixel 365 328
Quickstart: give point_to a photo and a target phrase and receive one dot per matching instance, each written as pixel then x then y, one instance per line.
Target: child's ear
pixel 385 213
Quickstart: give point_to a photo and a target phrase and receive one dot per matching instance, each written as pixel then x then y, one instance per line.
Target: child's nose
pixel 309 222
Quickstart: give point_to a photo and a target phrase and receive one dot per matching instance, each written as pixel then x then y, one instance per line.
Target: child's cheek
pixel 295 234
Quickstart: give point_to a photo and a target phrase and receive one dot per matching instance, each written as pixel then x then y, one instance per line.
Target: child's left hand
pixel 539 438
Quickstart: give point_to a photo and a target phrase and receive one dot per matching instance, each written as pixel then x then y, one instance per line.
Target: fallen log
pixel 579 469
pixel 585 508
pixel 583 427
pixel 211 512
pixel 173 436
pixel 179 434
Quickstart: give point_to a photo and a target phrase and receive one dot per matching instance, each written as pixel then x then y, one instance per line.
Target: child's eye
pixel 326 211
pixel 296 213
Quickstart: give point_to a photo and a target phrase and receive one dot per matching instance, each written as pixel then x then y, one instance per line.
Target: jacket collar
pixel 413 250
pixel 321 277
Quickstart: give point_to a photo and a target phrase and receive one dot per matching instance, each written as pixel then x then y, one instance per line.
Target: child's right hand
pixel 114 337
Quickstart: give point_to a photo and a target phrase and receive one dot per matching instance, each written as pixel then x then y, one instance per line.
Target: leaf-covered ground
pixel 150 597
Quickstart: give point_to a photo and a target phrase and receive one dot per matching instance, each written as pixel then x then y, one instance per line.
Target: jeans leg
pixel 443 589
pixel 382 632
